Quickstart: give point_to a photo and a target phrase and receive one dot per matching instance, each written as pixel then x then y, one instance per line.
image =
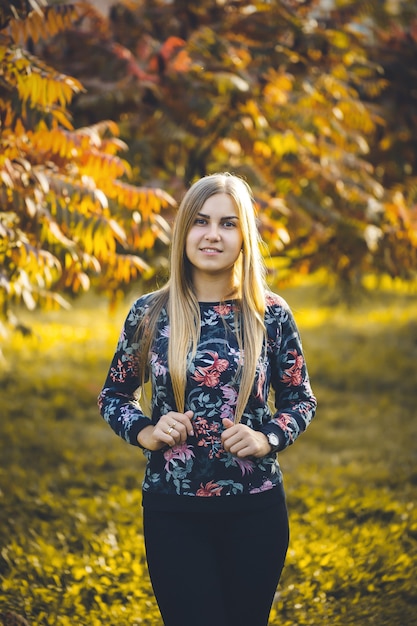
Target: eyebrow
pixel 227 217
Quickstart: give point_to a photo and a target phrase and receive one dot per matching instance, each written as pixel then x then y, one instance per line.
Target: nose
pixel 213 233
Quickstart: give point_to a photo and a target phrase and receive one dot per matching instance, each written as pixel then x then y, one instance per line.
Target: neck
pixel 215 290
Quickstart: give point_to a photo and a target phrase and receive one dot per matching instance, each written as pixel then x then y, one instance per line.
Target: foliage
pixel 71 541
pixel 301 102
pixel 68 215
pixel 389 33
pixel 281 93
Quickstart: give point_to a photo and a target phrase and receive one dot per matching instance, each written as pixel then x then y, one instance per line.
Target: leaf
pixel 228 82
pixel 45 21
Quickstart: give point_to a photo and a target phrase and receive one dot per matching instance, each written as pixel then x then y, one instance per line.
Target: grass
pixel 71 546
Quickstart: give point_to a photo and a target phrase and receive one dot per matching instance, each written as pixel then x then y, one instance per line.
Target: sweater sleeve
pixel 118 400
pixel 295 402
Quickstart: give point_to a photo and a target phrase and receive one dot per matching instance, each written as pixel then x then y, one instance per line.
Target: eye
pixel 229 224
pixel 200 221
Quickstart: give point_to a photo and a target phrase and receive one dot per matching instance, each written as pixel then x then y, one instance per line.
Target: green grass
pixel 71 545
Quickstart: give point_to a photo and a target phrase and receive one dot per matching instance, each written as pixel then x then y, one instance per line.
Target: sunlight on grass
pixel 71 540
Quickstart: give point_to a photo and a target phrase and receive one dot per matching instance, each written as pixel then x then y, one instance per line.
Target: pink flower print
pixel 230 395
pixel 220 365
pixel 165 332
pixel 157 366
pixel 261 381
pixel 209 376
pixel 246 465
pixel 118 373
pixel 227 411
pixel 125 414
pixel 264 487
pixel 201 426
pixel 209 489
pixel 182 452
pixel 208 436
pixel 101 399
pixel 223 309
pixel 293 375
pixel 206 377
pixel 271 299
pixel 284 421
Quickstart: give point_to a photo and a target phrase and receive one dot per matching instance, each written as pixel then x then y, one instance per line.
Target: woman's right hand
pixel 170 430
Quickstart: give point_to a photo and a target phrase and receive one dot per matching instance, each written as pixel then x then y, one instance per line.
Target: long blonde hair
pixel 179 298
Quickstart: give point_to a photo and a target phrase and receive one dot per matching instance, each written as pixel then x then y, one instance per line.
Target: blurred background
pixel 108 112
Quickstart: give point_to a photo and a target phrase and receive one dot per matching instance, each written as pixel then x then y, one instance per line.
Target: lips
pixel 209 250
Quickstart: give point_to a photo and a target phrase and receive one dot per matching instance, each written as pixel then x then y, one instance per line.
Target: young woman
pixel 212 342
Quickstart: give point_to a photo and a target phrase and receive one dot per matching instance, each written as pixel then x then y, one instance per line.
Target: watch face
pixel 273 439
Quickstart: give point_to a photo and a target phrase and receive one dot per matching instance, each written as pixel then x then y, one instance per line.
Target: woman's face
pixel 214 241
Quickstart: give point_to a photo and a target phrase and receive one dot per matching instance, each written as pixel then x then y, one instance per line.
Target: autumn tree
pixel 393 152
pixel 69 217
pixel 388 34
pixel 282 93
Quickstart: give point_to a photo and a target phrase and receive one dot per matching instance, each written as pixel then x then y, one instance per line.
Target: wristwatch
pixel 273 441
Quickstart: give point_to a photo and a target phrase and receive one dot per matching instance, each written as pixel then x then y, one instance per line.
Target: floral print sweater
pixel 200 469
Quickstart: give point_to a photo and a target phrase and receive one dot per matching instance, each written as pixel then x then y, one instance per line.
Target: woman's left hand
pixel 242 441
